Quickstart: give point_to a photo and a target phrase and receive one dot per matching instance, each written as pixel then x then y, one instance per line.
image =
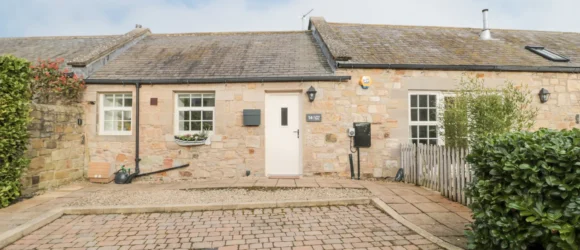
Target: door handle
pixel 297 133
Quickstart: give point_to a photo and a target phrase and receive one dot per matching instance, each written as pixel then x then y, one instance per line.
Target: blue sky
pixel 93 17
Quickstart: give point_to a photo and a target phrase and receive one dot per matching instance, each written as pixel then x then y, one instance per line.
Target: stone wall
pixel 235 148
pixel 394 87
pixel 56 149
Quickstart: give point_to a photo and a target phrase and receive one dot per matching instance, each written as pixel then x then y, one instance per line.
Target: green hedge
pixel 526 193
pixel 14 119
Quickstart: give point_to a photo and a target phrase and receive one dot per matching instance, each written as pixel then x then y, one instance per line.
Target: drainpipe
pixel 137 159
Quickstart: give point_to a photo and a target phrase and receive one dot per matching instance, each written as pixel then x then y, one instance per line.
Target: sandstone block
pixel 60 154
pixel 573 85
pixel 36 143
pixel 328 167
pixel 330 138
pixel 563 99
pixel 253 96
pixel 51 144
pixel 253 141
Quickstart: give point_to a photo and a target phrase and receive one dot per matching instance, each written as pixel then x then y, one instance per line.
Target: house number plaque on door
pixel 313 117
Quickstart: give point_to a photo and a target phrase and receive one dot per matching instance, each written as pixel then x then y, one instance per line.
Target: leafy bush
pixel 50 84
pixel 488 110
pixel 14 119
pixel 526 193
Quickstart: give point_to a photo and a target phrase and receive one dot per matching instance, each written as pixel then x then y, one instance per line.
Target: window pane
pixel 432 114
pixel 208 126
pixel 127 126
pixel 183 115
pixel 108 125
pixel 422 101
pixel 127 115
pixel 414 132
pixel 196 100
pixel 422 131
pixel 128 100
pixel 183 100
pixel 108 115
pixel 424 141
pixel 414 115
pixel 118 115
pixel 182 126
pixel 413 101
pixel 118 126
pixel 432 101
pixel 415 141
pixel 108 101
pixel 195 125
pixel 119 100
pixel 186 126
pixel 423 115
pixel 433 141
pixel 432 131
pixel 195 115
pixel 208 100
pixel 208 115
pixel 284 116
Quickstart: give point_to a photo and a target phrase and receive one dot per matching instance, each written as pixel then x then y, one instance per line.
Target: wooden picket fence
pixel 438 168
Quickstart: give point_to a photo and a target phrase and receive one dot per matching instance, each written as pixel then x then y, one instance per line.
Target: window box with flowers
pixel 192 139
pixel 194 118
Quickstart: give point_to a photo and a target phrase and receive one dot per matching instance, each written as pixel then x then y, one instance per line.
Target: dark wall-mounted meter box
pixel 252 117
pixel 362 135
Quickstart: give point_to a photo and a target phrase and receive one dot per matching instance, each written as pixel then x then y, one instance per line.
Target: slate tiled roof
pixel 219 55
pixel 393 44
pixel 76 50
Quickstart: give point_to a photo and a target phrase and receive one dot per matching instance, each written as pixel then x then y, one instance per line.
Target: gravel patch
pixel 203 196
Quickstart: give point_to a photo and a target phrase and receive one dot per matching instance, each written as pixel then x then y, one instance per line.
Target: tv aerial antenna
pixel 304 16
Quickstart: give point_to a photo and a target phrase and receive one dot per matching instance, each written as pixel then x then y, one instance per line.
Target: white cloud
pixel 80 17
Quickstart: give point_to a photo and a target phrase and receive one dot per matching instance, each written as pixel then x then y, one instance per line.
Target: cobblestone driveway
pixel 335 227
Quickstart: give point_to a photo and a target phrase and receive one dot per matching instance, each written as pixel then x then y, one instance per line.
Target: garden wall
pixel 56 147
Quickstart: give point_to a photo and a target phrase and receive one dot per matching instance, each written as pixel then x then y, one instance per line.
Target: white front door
pixel 283 134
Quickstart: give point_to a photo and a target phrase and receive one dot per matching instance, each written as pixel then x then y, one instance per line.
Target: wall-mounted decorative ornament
pixel 365 82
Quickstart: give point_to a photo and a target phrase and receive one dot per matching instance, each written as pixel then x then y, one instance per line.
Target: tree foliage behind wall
pixel 14 119
pixel 477 111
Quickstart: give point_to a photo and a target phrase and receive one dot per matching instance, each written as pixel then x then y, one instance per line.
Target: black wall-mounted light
pixel 544 95
pixel 311 94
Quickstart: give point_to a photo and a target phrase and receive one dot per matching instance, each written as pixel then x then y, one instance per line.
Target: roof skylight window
pixel 547 54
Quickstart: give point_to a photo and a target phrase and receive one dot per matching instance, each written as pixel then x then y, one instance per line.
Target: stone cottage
pixel 189 82
pixel 412 68
pixel 250 92
pixel 207 80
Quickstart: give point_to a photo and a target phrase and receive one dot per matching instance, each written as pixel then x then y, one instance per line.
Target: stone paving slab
pixel 426 209
pixel 334 227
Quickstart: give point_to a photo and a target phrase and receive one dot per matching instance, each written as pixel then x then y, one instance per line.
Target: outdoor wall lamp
pixel 544 95
pixel 311 94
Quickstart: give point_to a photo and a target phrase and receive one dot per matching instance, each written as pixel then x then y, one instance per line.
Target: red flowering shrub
pixel 52 85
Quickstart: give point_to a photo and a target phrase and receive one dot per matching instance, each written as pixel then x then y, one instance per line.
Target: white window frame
pixel 440 96
pixel 176 130
pixel 102 110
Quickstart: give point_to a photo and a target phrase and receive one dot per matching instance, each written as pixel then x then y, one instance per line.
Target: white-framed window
pixel 423 117
pixel 194 112
pixel 115 116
